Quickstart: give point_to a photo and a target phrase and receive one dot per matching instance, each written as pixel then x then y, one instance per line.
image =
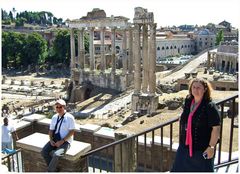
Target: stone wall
pixel 219 85
pixel 33 161
pixel 96 136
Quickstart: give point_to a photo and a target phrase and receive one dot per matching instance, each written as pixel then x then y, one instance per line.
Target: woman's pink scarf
pixel 189 128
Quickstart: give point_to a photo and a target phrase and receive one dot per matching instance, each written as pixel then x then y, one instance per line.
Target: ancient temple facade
pixel 137 57
pixel 225 59
pixel 144 98
pixel 83 65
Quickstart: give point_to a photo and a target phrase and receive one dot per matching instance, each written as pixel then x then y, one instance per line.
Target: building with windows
pixel 203 39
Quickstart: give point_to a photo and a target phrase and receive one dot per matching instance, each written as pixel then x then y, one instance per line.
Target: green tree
pixel 219 37
pixel 11 15
pixel 20 22
pixel 12 47
pixel 35 49
pixel 4 15
pixel 61 48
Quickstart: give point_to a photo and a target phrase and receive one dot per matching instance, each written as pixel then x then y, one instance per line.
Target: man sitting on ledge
pixel 60 134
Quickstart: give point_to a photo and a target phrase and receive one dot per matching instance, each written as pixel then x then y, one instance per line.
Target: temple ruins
pixel 138 64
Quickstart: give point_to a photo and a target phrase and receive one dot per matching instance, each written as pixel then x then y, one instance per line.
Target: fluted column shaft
pixel 152 59
pixel 145 58
pixel 124 51
pixel 103 59
pixel 130 51
pixel 113 37
pixel 73 55
pixel 137 59
pixel 91 49
pixel 81 49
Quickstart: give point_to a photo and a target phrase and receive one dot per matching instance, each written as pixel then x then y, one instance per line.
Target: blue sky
pixel 166 12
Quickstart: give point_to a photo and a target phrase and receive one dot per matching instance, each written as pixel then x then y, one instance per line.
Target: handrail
pixel 11 154
pixel 133 136
pixel 233 161
pixel 148 130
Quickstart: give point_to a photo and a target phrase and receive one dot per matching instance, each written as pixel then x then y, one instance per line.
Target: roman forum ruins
pixel 138 65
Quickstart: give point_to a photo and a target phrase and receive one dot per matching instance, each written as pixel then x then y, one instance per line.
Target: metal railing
pixel 13 161
pixel 150 150
pixel 154 153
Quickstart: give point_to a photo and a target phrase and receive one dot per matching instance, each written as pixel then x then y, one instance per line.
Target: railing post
pixel 125 154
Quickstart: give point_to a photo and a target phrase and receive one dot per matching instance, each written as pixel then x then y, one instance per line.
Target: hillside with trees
pixel 42 18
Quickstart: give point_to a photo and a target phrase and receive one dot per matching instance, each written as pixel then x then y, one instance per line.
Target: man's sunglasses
pixel 58 107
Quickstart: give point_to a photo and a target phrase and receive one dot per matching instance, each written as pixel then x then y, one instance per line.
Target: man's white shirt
pixel 68 124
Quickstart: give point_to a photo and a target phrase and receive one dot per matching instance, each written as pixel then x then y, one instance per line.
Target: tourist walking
pixel 7 131
pixel 60 136
pixel 199 130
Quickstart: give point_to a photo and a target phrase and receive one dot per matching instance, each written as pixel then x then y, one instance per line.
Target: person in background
pixel 60 136
pixel 7 131
pixel 199 130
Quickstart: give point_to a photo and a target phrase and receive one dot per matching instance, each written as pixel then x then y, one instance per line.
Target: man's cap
pixel 61 102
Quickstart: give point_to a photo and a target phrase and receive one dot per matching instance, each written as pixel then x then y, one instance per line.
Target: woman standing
pixel 199 130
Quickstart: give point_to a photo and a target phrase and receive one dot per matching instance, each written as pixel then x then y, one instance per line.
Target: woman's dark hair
pixel 207 87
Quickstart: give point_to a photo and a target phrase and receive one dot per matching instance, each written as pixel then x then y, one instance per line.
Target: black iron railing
pixel 13 161
pixel 152 149
pixel 155 154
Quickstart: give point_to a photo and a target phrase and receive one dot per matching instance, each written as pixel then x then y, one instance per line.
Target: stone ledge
pixel 36 142
pixel 34 117
pixel 89 127
pixel 20 124
pixel 105 132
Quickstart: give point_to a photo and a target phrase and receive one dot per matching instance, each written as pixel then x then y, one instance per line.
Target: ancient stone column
pixel 225 66
pixel 81 49
pixel 91 49
pixel 113 37
pixel 137 59
pixel 208 59
pixel 3 79
pixel 124 51
pixel 145 57
pixel 130 51
pixel 152 59
pixel 103 59
pixel 72 44
pixel 37 69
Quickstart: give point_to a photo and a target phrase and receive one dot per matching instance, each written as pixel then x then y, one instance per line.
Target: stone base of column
pixel 144 104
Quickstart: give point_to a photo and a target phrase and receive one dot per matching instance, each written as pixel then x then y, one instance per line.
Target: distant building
pixel 203 39
pixel 229 33
pixel 226 24
pixel 227 57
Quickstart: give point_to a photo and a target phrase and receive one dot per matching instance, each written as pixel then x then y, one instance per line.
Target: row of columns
pixel 127 59
pixel 226 63
pixel 222 62
pixel 148 83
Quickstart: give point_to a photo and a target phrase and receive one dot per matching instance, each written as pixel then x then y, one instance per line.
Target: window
pixel 158 48
pixel 167 48
pixel 163 48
